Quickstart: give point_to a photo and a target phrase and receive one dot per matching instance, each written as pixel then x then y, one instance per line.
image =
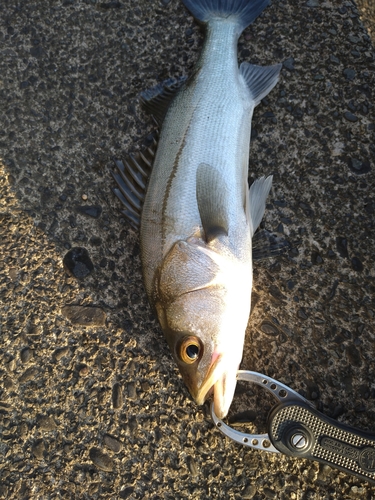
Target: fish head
pixel 203 311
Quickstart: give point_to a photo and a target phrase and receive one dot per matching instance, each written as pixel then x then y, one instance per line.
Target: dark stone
pixel 342 246
pixel 308 211
pixel 357 264
pixel 90 210
pixel 358 167
pixel 36 51
pixel 350 74
pixel 84 315
pixel 77 262
pixel 350 117
pixel 275 292
pixel 316 258
pixel 332 292
pixel 333 59
pixel 301 313
pixel 289 64
pixel 353 356
pixel 128 491
pixel 95 241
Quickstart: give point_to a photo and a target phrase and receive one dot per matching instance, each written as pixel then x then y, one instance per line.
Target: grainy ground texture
pixel 91 404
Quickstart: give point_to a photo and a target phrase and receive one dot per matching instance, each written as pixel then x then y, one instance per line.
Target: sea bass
pixel 198 215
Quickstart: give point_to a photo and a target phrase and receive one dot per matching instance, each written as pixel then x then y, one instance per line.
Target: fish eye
pixel 189 350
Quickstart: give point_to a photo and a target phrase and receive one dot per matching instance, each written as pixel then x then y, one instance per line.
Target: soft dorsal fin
pixel 260 80
pixel 156 100
pixel 212 199
pixel 131 176
pixel 256 204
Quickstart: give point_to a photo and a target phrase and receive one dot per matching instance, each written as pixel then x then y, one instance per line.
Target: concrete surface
pixel 91 404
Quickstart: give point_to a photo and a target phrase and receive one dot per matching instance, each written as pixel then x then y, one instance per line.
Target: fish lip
pixel 210 380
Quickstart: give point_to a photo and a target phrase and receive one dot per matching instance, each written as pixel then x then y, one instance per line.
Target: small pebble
pixel 358 167
pixel 192 465
pixel 112 443
pixel 316 258
pixel 101 460
pixel 342 246
pixel 301 313
pixel 30 374
pixel 269 329
pixel 350 116
pixel 46 422
pixel 26 354
pixel 77 262
pixel 127 491
pixel 268 493
pixel 38 449
pixel 84 197
pixel 357 264
pixel 349 74
pixel 84 315
pixel 61 352
pixel 117 398
pixel 93 211
pixel 131 390
pixel 249 492
pixel 83 370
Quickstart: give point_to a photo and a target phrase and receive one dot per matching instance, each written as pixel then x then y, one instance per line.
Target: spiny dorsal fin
pixel 212 199
pixel 131 176
pixel 260 79
pixel 156 100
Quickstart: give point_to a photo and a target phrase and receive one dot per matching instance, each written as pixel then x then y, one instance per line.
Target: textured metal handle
pixel 298 430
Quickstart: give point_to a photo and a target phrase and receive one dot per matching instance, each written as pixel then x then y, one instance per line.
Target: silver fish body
pixel 198 216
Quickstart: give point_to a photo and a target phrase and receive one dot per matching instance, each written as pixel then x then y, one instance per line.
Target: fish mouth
pixel 219 382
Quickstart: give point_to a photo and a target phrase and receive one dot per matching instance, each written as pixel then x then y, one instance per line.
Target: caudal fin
pixel 245 11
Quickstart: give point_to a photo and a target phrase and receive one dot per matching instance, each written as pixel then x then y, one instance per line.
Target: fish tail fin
pixel 244 11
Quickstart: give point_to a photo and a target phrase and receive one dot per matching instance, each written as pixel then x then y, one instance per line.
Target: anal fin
pixel 256 202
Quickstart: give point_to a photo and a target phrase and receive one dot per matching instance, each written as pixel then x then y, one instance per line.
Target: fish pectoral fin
pixel 260 80
pixel 212 198
pixel 131 176
pixel 256 204
pixel 267 244
pixel 156 100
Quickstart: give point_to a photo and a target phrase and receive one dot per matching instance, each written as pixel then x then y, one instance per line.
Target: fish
pixel 192 202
